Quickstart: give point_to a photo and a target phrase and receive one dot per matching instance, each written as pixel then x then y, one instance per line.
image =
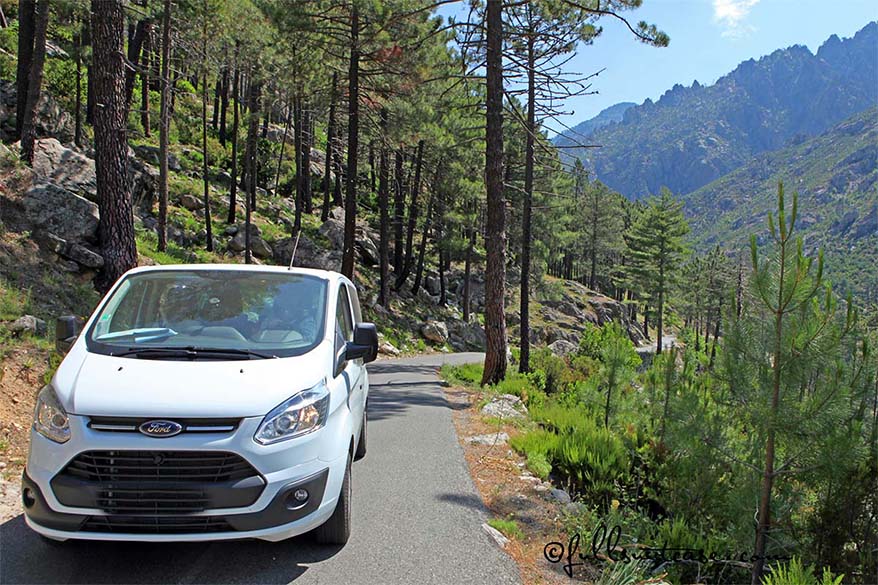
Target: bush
pixel 794 573
pixel 592 458
pixel 539 442
pixel 465 375
pixel 515 384
pixel 539 465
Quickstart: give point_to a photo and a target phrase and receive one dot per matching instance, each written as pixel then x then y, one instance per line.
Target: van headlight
pixel 303 413
pixel 50 418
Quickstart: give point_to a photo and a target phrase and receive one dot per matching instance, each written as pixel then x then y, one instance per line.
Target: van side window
pixel 343 319
pixel 355 304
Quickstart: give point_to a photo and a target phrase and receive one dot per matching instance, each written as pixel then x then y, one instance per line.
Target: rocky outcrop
pixel 52 120
pixel 66 168
pixel 308 254
pixel 505 406
pixel 53 209
pixel 435 331
pixel 466 336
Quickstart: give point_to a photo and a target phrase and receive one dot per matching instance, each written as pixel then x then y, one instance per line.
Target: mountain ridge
pixel 693 135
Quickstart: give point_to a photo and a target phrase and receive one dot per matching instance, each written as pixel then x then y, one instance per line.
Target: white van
pixel 204 402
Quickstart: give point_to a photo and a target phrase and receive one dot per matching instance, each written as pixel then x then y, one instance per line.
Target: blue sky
pixel 708 39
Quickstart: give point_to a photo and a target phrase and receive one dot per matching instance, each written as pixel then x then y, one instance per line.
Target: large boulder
pixel 505 406
pixel 562 347
pixel 56 210
pixel 239 242
pixel 144 182
pixel 75 172
pixel 308 254
pixel 190 202
pixel 435 331
pixel 369 253
pixel 52 119
pixel 333 230
pixel 260 248
pixel 28 324
pixel 466 336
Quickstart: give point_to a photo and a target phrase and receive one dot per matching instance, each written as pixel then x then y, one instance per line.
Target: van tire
pixel 337 530
pixel 361 444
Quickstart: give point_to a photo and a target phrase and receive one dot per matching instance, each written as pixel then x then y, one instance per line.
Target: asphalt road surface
pixel 416 515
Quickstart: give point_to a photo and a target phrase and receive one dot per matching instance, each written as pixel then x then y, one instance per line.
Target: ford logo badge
pixel 161 428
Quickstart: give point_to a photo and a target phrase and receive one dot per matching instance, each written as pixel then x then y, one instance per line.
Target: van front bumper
pixel 274 514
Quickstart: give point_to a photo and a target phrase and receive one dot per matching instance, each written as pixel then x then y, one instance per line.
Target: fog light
pixel 27 498
pixel 297 499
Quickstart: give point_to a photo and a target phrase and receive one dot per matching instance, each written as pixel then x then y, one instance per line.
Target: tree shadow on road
pixel 26 558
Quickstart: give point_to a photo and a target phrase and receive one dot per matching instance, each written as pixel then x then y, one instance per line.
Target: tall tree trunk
pixel 413 219
pixel 144 77
pixel 236 99
pixel 438 239
pixel 111 145
pixel 495 236
pixel 422 251
pixel 29 128
pixel 661 307
pixel 330 145
pixel 350 216
pixel 398 213
pixel 467 272
pixel 763 523
pixel 26 35
pixel 527 204
pixel 297 145
pixel 307 141
pixel 164 127
pixel 217 94
pixel 3 22
pixel 207 220
pixel 135 46
pixel 224 105
pixel 252 136
pixel 89 77
pixel 77 113
pixel 283 145
pixel 383 194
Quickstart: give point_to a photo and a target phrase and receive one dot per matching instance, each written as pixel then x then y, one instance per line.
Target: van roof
pixel 328 274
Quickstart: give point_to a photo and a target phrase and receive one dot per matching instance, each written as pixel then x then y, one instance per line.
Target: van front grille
pixel 195 466
pixel 156 524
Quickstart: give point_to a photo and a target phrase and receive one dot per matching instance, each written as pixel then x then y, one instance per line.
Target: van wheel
pixel 337 529
pixel 361 444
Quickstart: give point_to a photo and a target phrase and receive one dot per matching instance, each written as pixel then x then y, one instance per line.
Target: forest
pixel 753 429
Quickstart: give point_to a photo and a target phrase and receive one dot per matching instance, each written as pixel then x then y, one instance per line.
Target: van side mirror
pixel 365 343
pixel 66 331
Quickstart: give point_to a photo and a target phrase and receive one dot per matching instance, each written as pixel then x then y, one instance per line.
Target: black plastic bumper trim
pixel 276 513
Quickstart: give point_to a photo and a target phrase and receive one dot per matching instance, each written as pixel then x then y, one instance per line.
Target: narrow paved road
pixel 416 515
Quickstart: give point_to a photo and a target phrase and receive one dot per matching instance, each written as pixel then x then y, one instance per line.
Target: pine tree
pixel 656 249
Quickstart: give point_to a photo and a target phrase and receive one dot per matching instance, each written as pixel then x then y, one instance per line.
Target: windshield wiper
pixel 192 353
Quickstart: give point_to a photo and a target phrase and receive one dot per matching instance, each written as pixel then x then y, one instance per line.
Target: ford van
pixel 204 402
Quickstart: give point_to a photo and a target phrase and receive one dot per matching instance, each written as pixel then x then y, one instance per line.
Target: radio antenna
pixel 295 247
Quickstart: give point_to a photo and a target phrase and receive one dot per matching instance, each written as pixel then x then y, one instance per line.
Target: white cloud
pixel 730 14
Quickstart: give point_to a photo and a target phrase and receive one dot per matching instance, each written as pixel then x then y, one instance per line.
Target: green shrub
pixel 794 573
pixel 508 527
pixel 553 371
pixel 539 442
pixel 593 459
pixel 539 465
pixel 465 375
pixel 515 384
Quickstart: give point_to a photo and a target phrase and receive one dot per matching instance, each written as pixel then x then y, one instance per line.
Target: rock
pixel 83 256
pixel 435 331
pixel 54 209
pixel 144 181
pixel 490 439
pixel 260 248
pixel 190 202
pixel 560 496
pixel 495 535
pixel 333 230
pixel 52 119
pixel 432 284
pixel 308 254
pixel 231 230
pixel 387 348
pixel 467 336
pixel 28 324
pixel 238 243
pixel 337 213
pixel 368 251
pixel 563 348
pixel 70 170
pixel 505 406
pixel 575 508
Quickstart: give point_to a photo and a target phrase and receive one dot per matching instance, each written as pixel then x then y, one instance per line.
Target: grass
pixel 469 375
pixel 13 302
pixel 509 528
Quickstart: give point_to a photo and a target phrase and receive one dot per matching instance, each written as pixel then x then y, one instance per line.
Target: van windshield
pixel 225 312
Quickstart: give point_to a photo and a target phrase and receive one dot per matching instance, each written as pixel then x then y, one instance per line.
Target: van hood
pixel 120 386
